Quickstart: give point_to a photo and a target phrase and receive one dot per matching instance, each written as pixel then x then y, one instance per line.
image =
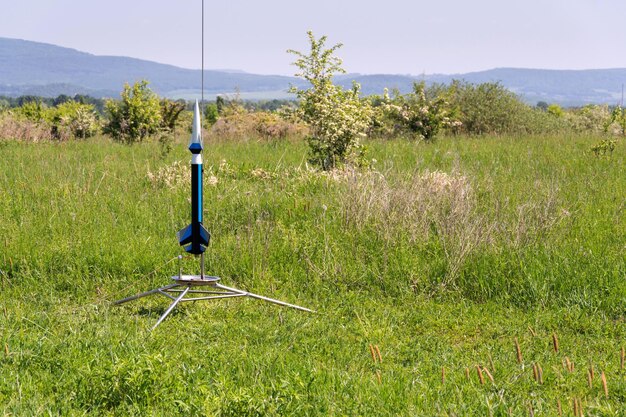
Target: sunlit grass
pixel 82 224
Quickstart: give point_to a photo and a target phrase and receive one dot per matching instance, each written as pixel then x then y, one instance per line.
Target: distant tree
pixel 61 99
pixel 136 116
pixel 97 103
pixel 4 104
pixel 542 105
pixel 220 102
pixel 211 114
pixel 268 105
pixel 231 105
pixel 28 99
pixel 9 101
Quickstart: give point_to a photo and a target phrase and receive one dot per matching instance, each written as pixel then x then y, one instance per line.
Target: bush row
pixel 458 108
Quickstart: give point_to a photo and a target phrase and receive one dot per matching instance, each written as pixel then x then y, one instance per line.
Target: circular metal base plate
pixel 195 279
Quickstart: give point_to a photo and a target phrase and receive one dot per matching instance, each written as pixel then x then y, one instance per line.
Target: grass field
pixel 441 256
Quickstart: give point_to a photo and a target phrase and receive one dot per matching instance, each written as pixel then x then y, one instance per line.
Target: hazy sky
pixel 383 36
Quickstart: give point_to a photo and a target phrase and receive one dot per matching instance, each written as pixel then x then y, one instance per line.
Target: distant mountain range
pixel 33 68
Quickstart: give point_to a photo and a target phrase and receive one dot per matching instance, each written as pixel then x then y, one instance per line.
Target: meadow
pixel 468 276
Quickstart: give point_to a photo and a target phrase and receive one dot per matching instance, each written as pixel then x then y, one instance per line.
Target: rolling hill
pixel 42 69
pixel 33 68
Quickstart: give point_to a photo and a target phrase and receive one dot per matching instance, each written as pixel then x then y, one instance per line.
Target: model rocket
pixel 195 238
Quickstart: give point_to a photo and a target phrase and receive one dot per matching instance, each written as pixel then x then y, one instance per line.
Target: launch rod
pixel 202 93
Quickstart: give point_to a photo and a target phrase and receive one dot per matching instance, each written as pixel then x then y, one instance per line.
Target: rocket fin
pixel 184 235
pixel 205 236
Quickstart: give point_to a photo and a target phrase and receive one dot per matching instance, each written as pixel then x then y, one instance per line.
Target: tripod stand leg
pixel 260 297
pixel 171 307
pixel 144 294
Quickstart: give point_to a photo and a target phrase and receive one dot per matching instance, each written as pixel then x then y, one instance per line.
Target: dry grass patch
pixel 23 130
pixel 424 205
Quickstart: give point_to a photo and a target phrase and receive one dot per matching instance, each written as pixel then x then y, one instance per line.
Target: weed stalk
pixel 605 386
pixel 481 378
pixel 372 353
pixel 555 342
pixel 380 358
pixel 518 351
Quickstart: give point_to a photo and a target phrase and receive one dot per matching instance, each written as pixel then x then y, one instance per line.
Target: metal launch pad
pixel 182 290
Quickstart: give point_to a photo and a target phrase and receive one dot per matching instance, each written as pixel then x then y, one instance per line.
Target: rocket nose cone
pixel 196 131
pixel 196 110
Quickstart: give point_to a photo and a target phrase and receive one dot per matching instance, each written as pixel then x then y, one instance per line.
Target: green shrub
pixel 555 110
pixel 185 121
pixel 617 122
pixel 535 121
pixel 34 111
pixel 604 147
pixel 136 116
pixel 170 113
pixel 211 114
pixel 487 108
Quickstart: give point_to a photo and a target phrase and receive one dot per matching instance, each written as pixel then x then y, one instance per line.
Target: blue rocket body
pixel 195 238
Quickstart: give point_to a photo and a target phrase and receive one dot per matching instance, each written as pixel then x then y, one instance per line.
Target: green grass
pixel 82 225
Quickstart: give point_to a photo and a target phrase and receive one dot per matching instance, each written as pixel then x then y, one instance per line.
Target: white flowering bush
pixel 590 118
pixel 77 118
pixel 419 114
pixel 337 118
